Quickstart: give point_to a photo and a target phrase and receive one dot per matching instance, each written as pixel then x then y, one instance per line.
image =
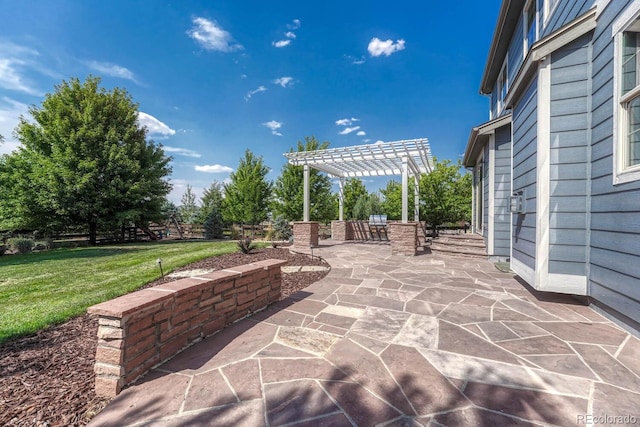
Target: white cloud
pixel 281 43
pixel 112 70
pixel 213 169
pixel 378 47
pixel 361 133
pixel 11 77
pixel 274 126
pixel 154 126
pixel 346 122
pixel 10 112
pixel 253 92
pixel 379 142
pixel 354 60
pixel 15 61
pixel 181 151
pixel 366 140
pixel 211 36
pixel 290 35
pixel 347 131
pixel 283 81
pixel 294 25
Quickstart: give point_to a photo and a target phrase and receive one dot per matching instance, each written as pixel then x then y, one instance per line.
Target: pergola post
pixel 305 194
pixel 416 198
pixel 341 199
pixel 405 190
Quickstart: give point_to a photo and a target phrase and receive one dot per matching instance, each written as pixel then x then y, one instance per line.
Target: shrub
pixel 235 234
pixel 245 245
pixel 3 249
pixel 22 245
pixel 281 228
pixel 44 244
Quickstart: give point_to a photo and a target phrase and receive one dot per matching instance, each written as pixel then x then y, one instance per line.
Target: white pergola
pixel 406 158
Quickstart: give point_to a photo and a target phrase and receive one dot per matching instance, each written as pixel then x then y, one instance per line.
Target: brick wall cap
pixel 129 303
pixel 219 276
pixel 245 269
pixel 181 286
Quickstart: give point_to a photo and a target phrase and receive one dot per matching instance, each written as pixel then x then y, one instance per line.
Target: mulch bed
pixel 47 379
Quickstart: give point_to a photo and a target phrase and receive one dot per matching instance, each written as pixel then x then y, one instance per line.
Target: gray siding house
pixel 557 167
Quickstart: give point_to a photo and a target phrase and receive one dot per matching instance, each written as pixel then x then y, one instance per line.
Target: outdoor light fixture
pixel 159 261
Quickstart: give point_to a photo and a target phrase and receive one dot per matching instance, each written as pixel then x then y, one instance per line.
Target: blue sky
pixel 213 78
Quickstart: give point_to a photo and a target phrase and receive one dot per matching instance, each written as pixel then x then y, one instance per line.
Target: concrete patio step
pixel 459 249
pixel 464 244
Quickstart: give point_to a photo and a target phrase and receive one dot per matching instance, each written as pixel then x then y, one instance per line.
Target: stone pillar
pixel 404 238
pixel 305 234
pixel 341 230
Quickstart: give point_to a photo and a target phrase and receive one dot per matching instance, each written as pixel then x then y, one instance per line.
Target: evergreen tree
pixel 188 207
pixel 248 194
pixel 212 198
pixel 367 205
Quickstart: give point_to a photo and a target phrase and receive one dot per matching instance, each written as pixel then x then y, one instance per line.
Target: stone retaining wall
pixel 142 329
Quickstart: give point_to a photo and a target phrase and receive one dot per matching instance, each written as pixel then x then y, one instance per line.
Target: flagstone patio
pixel 431 340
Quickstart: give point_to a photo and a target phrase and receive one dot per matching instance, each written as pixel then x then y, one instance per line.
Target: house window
pixel 530 28
pixel 627 87
pixel 630 97
pixel 501 89
pixel 546 8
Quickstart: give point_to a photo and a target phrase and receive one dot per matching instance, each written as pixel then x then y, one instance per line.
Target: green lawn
pixel 45 288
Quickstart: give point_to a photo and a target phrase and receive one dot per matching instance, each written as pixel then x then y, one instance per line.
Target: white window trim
pixel 492 194
pixel 548 11
pixel 528 44
pixel 621 173
pixel 479 194
pixel 543 177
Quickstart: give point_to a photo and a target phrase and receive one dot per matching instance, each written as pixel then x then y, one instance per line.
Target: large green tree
pixel 289 188
pixel 352 190
pixel 392 203
pixel 85 160
pixel 445 194
pixel 248 194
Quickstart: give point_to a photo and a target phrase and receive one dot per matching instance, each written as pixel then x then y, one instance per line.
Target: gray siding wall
pixel 502 191
pixel 524 174
pixel 614 256
pixel 569 157
pixel 565 12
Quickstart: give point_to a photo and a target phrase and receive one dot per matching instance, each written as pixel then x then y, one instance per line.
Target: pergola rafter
pixel 406 158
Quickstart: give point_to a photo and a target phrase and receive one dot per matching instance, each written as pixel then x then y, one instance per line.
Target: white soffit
pixel 379 159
